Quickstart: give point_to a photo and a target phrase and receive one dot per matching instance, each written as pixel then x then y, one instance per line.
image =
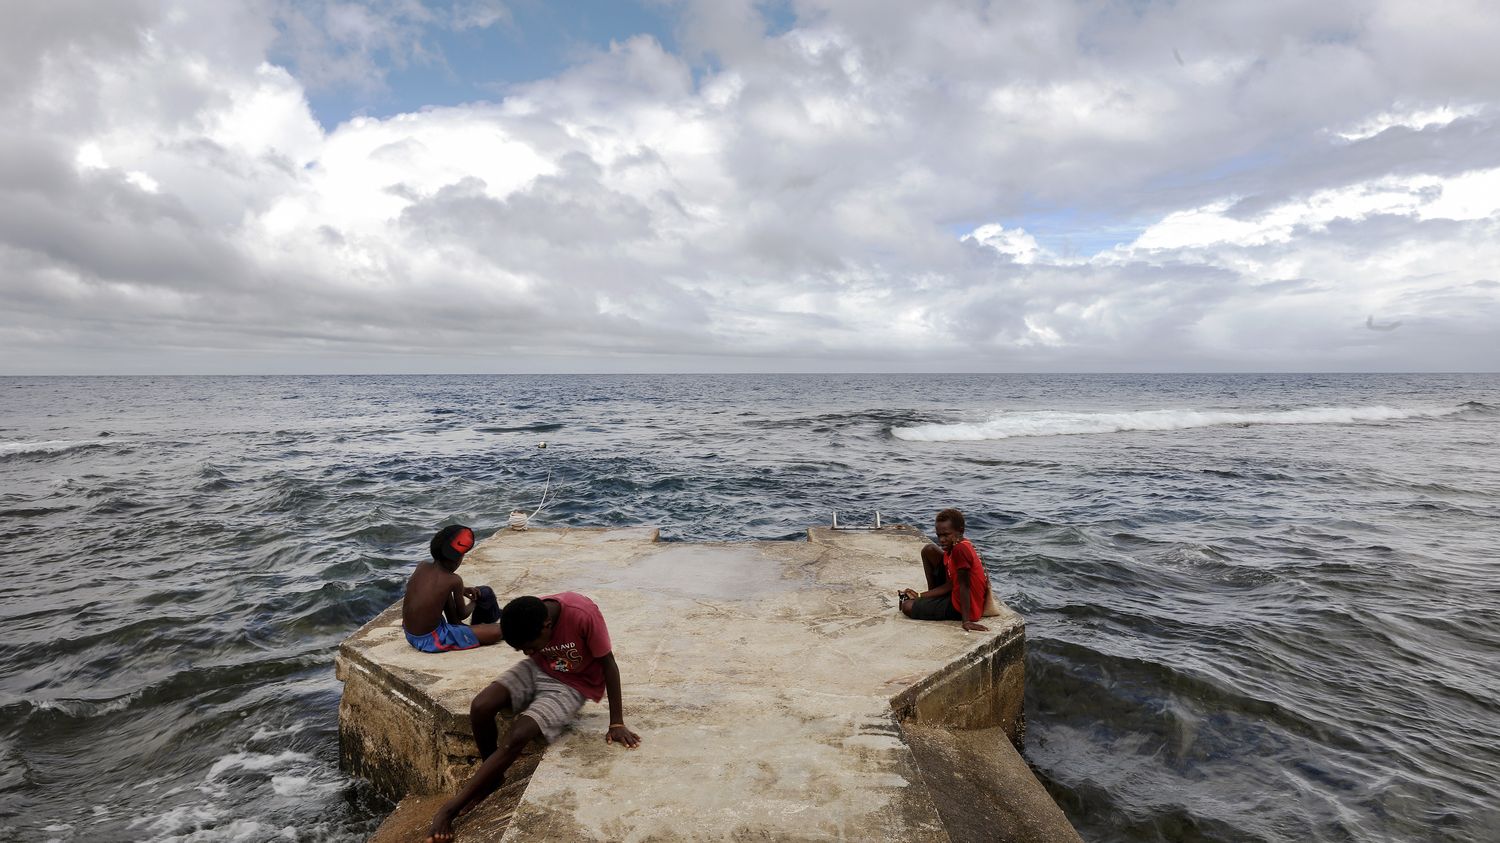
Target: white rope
pixel 520 520
pixel 546 488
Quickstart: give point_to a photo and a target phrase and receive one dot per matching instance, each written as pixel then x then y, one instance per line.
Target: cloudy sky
pixel 720 185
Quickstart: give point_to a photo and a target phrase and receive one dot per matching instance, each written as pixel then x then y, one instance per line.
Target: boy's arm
pixel 967 606
pixel 455 606
pixel 617 729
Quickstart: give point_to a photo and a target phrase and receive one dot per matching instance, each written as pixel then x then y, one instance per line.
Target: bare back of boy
pixel 432 593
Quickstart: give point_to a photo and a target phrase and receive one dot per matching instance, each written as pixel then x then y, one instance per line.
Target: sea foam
pixel 1008 425
pixel 56 446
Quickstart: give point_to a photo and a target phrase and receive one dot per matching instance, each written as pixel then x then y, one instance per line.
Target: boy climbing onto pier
pixel 437 603
pixel 957 586
pixel 571 659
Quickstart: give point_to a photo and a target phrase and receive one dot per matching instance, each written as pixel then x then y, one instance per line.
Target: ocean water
pixel 1259 606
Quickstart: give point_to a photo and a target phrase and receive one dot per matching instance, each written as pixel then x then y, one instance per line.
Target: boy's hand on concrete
pixel 908 594
pixel 622 736
pixel 972 626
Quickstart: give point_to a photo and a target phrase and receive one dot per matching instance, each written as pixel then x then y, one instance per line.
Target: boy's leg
pixel 487 633
pixel 933 569
pixel 482 711
pixel 554 707
pixel 930 609
pixel 485 780
pixel 932 566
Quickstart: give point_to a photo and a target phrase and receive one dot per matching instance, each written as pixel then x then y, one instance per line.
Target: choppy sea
pixel 1259 606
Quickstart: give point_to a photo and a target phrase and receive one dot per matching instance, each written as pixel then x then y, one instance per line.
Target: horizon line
pixel 949 373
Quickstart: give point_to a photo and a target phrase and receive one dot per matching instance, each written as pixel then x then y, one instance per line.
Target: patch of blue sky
pixel 1067 233
pixel 1075 233
pixel 540 40
pixel 779 15
pixel 1226 172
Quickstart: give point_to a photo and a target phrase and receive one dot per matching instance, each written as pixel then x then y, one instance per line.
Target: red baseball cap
pixel 451 543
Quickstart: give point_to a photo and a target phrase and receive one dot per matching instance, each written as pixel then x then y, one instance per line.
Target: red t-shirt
pixel 579 640
pixel 963 561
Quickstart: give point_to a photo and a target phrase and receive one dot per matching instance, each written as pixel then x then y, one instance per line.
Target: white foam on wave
pixel 87 708
pixel 200 824
pixel 1008 425
pixel 237 831
pixel 289 785
pixel 264 733
pixel 255 762
pixel 290 774
pixel 182 818
pixel 52 446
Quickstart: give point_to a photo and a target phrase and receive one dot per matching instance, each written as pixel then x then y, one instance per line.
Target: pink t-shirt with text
pixel 579 640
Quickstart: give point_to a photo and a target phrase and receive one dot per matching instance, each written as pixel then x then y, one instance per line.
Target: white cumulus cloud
pixel 878 186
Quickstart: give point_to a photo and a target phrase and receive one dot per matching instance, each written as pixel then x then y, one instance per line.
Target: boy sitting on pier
pixel 571 659
pixel 436 601
pixel 958 589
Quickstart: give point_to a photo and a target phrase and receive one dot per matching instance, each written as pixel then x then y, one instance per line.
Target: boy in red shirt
pixel 571 659
pixel 957 586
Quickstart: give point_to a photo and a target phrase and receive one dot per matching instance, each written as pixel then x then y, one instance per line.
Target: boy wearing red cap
pixel 436 601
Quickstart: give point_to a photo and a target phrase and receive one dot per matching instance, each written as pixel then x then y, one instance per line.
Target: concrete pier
pixel 777 691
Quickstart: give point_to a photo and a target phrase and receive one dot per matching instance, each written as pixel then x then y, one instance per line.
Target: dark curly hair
pixel 954 518
pixel 524 617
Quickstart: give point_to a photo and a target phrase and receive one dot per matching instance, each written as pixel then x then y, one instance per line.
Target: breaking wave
pixel 1057 423
pixel 290 774
pixel 50 448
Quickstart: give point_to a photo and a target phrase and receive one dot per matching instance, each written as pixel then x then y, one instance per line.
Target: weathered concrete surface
pixel 970 767
pixel 770 683
pixel 411 819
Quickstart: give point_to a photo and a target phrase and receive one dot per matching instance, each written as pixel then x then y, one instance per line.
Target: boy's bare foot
pixel 441 830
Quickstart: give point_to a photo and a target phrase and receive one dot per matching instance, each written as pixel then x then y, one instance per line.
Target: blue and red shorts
pixel 447 636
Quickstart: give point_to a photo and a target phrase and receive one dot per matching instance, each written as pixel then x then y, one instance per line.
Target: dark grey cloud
pixel 55 35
